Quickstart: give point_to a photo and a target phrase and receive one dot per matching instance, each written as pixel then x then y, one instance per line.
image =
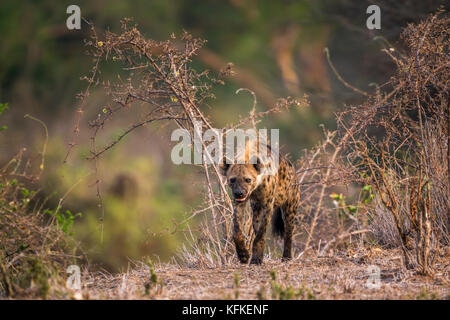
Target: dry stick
pixel 97 184
pixel 313 157
pixel 135 126
pixel 249 232
pixel 195 213
pixel 177 92
pixel 333 158
pixel 4 169
pixel 192 117
pixel 211 201
pixel 391 206
pixel 6 279
pixel 242 76
pixel 81 110
pixel 211 194
pixel 327 52
pixel 324 186
pixel 425 228
pixel 342 237
pixel 96 154
pixel 44 148
pixel 60 202
pixel 253 110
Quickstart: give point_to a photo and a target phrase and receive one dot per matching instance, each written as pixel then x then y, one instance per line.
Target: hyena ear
pixel 257 164
pixel 224 166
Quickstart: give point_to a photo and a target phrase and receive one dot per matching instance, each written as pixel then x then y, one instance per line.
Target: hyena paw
pixel 286 258
pixel 243 257
pixel 256 260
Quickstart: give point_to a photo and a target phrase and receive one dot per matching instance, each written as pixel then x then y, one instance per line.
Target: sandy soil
pixel 338 276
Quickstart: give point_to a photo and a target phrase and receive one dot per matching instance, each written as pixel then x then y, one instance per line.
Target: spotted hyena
pixel 272 197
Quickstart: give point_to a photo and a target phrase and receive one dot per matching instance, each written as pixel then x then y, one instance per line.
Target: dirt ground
pixel 338 276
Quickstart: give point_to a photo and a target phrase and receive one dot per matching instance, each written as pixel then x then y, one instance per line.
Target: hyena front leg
pixel 238 236
pixel 260 220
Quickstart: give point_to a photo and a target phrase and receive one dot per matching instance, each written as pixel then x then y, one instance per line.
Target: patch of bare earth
pixel 340 276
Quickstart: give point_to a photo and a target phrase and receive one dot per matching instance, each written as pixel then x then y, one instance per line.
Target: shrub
pixel 35 245
pixel 399 144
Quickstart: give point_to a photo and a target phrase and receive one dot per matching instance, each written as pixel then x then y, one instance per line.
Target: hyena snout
pixel 240 194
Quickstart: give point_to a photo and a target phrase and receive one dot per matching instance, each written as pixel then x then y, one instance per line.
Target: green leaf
pixel 3 107
pixel 25 192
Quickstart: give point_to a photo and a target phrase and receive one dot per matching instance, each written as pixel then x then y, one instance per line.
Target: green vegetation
pixel 281 291
pixel 3 107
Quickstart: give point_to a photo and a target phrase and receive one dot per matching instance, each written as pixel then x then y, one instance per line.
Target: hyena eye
pixel 248 180
pixel 232 180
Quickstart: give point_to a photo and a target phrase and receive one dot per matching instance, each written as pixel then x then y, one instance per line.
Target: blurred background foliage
pixel 277 49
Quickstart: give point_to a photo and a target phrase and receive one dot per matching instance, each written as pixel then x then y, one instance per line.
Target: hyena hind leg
pixel 289 225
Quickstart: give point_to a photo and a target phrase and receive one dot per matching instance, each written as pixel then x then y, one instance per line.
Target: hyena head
pixel 243 179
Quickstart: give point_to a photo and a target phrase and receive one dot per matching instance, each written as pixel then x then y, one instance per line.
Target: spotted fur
pixel 272 197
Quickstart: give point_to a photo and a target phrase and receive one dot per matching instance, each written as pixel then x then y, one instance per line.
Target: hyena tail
pixel 278 223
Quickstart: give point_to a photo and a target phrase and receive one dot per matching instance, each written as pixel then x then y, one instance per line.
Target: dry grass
pixel 342 275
